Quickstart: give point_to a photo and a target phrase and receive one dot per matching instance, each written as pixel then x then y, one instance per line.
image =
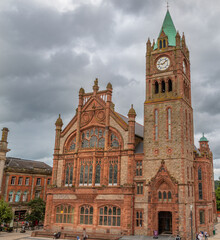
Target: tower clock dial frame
pixel 163 63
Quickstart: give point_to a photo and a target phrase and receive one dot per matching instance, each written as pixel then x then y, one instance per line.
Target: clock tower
pixel 168 133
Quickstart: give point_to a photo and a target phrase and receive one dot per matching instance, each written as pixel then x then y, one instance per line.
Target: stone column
pixel 3 150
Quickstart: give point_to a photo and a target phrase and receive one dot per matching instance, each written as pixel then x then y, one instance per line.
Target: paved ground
pixel 27 236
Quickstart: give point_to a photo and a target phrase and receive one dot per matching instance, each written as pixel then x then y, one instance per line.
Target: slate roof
pixel 19 164
pixel 139 129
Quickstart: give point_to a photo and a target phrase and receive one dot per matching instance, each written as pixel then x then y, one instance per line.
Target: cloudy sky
pixel 51 48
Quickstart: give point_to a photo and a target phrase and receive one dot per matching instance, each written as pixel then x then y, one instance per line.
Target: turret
pixel 177 39
pixel 131 127
pixel 204 144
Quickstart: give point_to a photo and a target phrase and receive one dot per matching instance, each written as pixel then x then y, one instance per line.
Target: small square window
pixel 48 181
pixel 20 180
pixel 140 188
pixel 27 180
pixel 13 180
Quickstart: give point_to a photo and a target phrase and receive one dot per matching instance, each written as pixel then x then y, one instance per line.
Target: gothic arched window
pixel 69 174
pixel 170 86
pixel 110 216
pixel 164 195
pixel 163 87
pixel 114 141
pixel 86 215
pixel 164 43
pixel 169 195
pixel 73 144
pixel 64 214
pixel 159 195
pixel 93 138
pixel 97 174
pixel 86 170
pixel 156 87
pixel 160 44
pixel 113 172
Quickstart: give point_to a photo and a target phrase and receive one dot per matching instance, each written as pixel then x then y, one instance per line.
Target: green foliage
pixel 216 184
pixel 37 207
pixel 6 214
pixel 217 193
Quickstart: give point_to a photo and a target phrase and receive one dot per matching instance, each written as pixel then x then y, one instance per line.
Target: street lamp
pixel 191 207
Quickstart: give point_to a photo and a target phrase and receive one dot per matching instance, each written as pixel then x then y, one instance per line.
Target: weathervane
pixel 167 5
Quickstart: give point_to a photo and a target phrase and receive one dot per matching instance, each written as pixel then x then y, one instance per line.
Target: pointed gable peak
pixel 169 30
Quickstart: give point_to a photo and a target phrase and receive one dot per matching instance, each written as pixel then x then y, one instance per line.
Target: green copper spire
pixel 169 29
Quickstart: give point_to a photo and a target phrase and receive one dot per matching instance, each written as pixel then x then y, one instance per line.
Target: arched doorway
pixel 165 222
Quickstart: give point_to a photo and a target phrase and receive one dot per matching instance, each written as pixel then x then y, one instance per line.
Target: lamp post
pixel 191 207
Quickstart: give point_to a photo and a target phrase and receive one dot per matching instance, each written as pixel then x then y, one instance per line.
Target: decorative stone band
pixel 110 197
pixel 66 196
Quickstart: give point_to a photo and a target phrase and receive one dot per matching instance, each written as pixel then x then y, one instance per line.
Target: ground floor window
pixel 86 215
pixel 64 214
pixel 110 216
pixel 139 218
pixel 19 215
pixel 202 216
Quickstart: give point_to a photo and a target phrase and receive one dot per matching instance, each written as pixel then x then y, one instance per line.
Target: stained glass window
pixel 69 175
pixel 93 138
pixel 110 216
pixel 114 141
pixel 64 214
pixel 97 174
pixel 86 171
pixel 86 215
pixel 73 144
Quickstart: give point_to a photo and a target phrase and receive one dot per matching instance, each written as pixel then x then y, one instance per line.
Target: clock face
pixel 163 63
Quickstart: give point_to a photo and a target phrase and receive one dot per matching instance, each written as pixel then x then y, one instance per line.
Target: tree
pixel 37 211
pixel 6 214
pixel 217 193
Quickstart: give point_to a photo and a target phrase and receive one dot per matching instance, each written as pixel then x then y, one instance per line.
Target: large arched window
pixel 86 215
pixel 114 141
pixel 93 138
pixel 110 216
pixel 64 214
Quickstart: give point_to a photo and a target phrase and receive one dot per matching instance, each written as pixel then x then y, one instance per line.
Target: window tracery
pixel 93 138
pixel 64 214
pixel 69 174
pixel 86 170
pixel 110 216
pixel 114 141
pixel 113 171
pixel 86 215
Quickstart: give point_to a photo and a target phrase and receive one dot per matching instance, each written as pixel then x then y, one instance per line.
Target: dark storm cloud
pixel 47 54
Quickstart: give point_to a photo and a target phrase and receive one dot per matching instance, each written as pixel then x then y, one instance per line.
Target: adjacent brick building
pixel 21 180
pixel 114 176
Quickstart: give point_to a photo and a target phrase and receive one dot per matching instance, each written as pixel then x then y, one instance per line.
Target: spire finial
pixel 168 6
